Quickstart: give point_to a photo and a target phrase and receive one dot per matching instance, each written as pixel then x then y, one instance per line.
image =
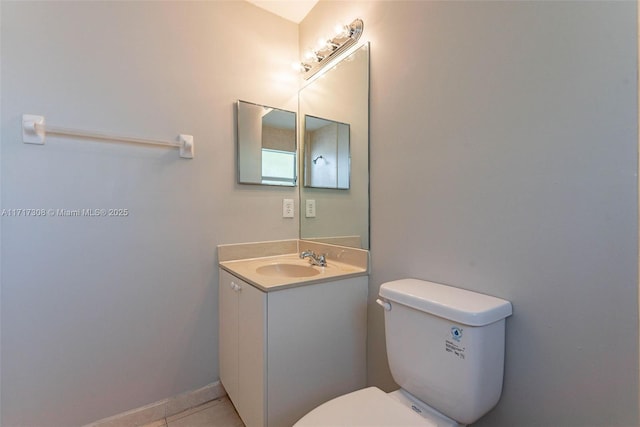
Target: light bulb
pixel 340 30
pixel 321 42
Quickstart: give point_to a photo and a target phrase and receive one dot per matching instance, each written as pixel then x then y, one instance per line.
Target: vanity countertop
pixel 278 272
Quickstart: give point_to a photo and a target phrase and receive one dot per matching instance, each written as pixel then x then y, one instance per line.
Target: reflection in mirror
pixel 326 153
pixel 266 139
pixel 339 95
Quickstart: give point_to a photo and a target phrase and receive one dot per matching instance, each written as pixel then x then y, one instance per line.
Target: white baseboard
pixel 163 408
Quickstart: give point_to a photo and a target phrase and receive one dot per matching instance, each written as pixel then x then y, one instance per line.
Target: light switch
pixel 287 208
pixel 310 211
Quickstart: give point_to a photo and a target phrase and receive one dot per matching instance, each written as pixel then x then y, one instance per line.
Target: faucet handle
pixel 322 260
pixel 307 253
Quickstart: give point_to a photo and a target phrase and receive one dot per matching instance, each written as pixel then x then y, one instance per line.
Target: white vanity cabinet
pixel 285 351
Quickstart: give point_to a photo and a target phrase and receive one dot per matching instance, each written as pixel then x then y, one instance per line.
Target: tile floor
pixel 216 413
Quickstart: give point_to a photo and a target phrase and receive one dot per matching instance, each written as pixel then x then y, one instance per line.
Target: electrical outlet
pixel 310 211
pixel 287 208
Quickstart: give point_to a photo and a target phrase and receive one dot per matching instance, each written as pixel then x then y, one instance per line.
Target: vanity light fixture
pixel 345 37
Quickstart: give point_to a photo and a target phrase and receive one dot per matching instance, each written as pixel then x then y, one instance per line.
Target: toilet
pixel 446 352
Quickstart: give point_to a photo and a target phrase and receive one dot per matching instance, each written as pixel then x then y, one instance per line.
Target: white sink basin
pixel 287 270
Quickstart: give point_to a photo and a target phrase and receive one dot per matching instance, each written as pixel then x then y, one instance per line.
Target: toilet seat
pixel 367 407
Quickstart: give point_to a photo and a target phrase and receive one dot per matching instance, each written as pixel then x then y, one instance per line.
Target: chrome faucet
pixel 319 260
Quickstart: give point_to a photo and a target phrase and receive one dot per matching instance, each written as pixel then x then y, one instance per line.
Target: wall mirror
pixel 326 153
pixel 340 95
pixel 266 143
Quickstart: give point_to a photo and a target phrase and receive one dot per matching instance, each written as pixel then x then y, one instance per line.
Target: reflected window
pixel 278 167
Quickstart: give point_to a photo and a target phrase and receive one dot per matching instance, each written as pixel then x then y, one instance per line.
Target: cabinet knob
pixel 235 286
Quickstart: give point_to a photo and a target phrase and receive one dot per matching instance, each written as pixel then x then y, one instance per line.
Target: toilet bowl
pixel 371 407
pixel 446 352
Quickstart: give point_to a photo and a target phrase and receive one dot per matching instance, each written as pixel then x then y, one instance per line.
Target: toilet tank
pixel 446 345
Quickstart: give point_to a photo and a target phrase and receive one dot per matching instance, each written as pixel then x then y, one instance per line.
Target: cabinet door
pixel 252 332
pixel 317 346
pixel 243 326
pixel 228 330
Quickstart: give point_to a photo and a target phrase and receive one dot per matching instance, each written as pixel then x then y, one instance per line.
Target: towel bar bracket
pixel 31 133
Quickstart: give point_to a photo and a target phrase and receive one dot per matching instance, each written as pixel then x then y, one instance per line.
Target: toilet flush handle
pixel 384 304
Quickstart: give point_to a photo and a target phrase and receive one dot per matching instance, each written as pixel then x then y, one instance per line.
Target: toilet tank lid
pixel 458 305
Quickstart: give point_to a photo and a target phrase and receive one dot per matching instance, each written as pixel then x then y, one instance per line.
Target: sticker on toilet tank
pixel 454 345
pixel 456 333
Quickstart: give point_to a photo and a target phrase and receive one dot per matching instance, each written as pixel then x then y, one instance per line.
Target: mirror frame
pixel 307 168
pixel 248 164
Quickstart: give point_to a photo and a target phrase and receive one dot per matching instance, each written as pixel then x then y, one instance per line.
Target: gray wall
pixel 503 160
pixel 506 131
pixel 101 315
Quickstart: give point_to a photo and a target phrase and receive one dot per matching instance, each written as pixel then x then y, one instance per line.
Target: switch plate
pixel 310 211
pixel 287 208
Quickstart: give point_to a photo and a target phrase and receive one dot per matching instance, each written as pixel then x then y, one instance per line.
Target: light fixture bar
pixel 333 48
